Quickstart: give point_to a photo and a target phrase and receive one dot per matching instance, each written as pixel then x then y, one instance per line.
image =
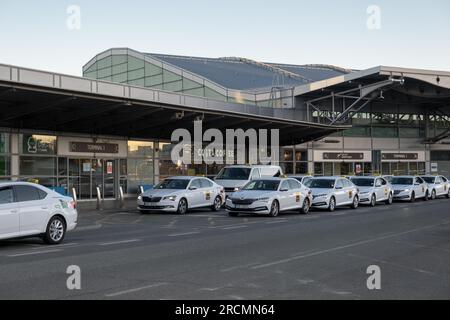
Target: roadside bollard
pixel 99 199
pixel 121 198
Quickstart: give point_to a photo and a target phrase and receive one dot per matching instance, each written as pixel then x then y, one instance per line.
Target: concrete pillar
pixel 15 156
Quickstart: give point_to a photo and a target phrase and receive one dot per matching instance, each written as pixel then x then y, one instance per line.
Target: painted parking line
pixel 33 253
pixel 183 234
pixel 120 293
pixel 118 242
pixel 277 221
pixel 235 227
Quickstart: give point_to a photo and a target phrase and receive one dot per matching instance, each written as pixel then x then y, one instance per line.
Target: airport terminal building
pixel 112 127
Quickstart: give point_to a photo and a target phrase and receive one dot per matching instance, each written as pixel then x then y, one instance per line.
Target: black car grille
pixel 229 189
pixel 154 199
pixel 396 192
pixel 243 201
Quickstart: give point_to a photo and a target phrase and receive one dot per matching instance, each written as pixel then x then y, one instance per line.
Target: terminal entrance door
pixel 85 175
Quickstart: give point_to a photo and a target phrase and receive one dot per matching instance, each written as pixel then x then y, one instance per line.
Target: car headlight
pixel 320 195
pixel 139 197
pixel 171 198
pixel 263 199
pixel 236 189
pixel 406 190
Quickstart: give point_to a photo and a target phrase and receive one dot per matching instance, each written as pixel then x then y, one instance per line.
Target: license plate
pixel 150 204
pixel 241 206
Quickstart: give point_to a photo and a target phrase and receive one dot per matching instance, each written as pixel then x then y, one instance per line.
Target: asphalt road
pixel 205 255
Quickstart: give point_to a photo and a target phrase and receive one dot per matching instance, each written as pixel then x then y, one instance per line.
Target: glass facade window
pixel 384 132
pixel 43 166
pixel 140 148
pixel 5 159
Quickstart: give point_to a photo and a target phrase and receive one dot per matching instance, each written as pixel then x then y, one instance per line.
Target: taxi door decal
pixel 445 187
pixel 350 194
pixel 423 189
pixel 385 191
pixel 208 195
pixel 297 196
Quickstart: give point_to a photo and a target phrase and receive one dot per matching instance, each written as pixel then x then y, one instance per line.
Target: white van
pixel 232 178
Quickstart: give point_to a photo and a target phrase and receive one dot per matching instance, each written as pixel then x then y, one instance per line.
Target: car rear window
pixel 27 193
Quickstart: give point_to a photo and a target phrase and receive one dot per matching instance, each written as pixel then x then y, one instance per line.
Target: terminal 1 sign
pixel 399 156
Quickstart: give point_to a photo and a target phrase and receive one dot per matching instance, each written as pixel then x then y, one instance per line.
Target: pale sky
pixel 412 34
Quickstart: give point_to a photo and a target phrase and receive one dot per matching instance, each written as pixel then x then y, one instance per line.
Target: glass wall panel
pixel 135 63
pixel 140 172
pixel 140 148
pixel 5 166
pixel 357 132
pixel 121 68
pixel 318 168
pixel 102 73
pixel 384 132
pixel 44 166
pixel 195 92
pixel 136 74
pixel 90 75
pixel 209 93
pixel 189 84
pixel 123 77
pixel 409 132
pixel 301 167
pixel 328 168
pixel 119 59
pixel 138 82
pixel 4 142
pixel 152 70
pixel 173 86
pixel 168 168
pixel 288 167
pixel 152 81
pixel 169 76
pixel 104 63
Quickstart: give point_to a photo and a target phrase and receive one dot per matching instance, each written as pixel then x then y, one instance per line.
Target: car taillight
pixel 73 204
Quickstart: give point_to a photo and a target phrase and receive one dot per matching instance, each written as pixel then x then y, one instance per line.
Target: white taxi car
pixel 331 192
pixel 269 196
pixel 179 194
pixel 373 190
pixel 30 210
pixel 409 188
pixel 437 186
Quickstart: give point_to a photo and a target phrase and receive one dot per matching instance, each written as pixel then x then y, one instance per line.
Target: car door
pixel 33 210
pixel 439 186
pixel 381 190
pixel 9 213
pixel 195 193
pixel 286 196
pixel 420 187
pixel 208 192
pixel 296 189
pixel 340 192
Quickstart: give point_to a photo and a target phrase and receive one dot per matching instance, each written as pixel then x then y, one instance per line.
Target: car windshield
pixel 262 185
pixel 428 179
pixel 399 180
pixel 176 184
pixel 320 183
pixel 234 174
pixel 361 182
pixel 388 178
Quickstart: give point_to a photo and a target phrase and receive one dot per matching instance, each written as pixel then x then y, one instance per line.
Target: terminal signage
pixel 399 156
pixel 92 147
pixel 343 156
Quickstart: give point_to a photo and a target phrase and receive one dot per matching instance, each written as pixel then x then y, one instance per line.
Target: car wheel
pixel 373 201
pixel 143 211
pixel 355 203
pixel 332 205
pixel 274 209
pixel 305 207
pixel 182 206
pixel 413 197
pixel 448 194
pixel 433 195
pixel 217 204
pixel 426 198
pixel 233 214
pixel 390 199
pixel 56 230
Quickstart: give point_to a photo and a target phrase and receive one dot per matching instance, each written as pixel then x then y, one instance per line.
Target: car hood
pixel 161 192
pixel 316 191
pixel 364 189
pixel 252 194
pixel 401 186
pixel 231 183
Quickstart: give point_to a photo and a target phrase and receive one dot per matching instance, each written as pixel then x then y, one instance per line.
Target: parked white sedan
pixel 331 192
pixel 29 210
pixel 409 188
pixel 437 186
pixel 373 190
pixel 179 194
pixel 270 196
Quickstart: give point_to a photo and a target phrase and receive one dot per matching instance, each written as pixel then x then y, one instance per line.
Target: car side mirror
pixel 192 188
pixel 339 188
pixel 284 190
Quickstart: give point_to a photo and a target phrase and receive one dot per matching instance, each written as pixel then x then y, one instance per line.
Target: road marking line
pixel 183 234
pixel 239 267
pixel 354 244
pixel 118 242
pixel 58 246
pixel 31 253
pixel 277 221
pixel 115 294
pixel 86 228
pixel 234 227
